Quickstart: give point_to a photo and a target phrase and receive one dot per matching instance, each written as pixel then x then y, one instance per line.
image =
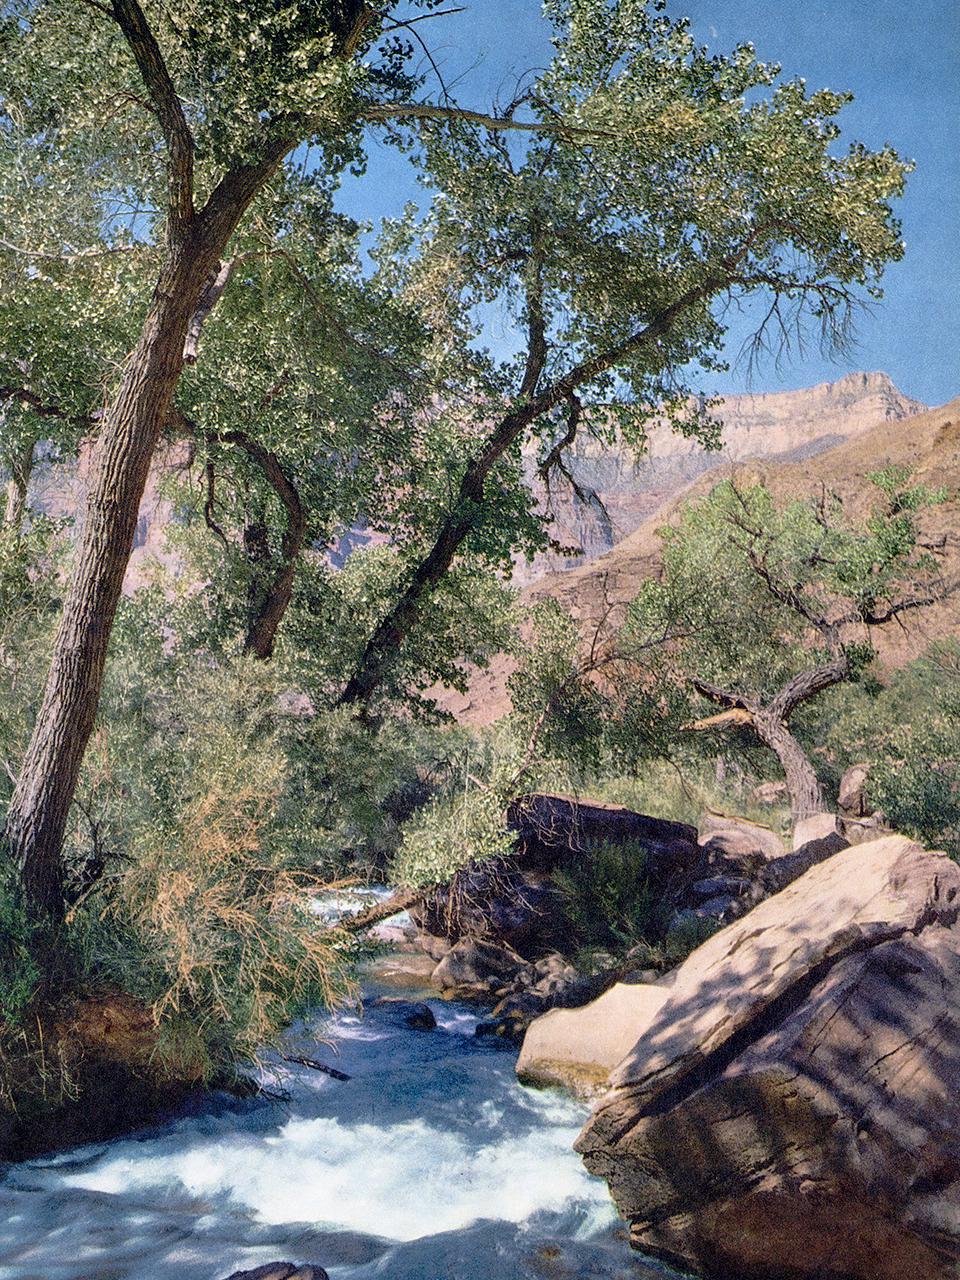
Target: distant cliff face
pixel 784 426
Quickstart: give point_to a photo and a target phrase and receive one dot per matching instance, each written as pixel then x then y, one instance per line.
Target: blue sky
pixel 901 61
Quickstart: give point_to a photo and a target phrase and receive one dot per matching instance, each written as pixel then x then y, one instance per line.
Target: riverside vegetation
pixel 189 763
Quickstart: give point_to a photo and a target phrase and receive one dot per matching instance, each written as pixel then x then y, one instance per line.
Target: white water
pixel 430 1163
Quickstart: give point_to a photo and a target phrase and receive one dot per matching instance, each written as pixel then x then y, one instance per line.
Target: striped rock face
pixel 788 1108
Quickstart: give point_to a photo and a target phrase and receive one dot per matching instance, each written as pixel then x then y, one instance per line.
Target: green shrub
pixel 449 832
pixel 609 902
pixel 19 971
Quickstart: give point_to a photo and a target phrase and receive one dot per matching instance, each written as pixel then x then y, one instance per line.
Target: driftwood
pixel 398 901
pixel 316 1066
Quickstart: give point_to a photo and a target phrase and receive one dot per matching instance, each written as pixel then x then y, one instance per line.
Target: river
pixel 429 1163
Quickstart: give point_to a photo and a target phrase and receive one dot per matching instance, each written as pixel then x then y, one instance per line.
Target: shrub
pixel 609 902
pixel 19 972
pixel 449 832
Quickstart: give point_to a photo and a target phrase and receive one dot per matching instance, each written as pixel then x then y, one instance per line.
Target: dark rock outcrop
pixel 513 902
pixel 282 1271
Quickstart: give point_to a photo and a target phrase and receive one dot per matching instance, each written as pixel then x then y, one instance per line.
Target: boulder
pixel 788 1107
pixel 851 797
pixel 737 843
pixel 498 901
pixel 579 1048
pixel 472 963
pixel 282 1271
pixel 818 827
pixel 407 1013
pixel 513 902
pixel 551 826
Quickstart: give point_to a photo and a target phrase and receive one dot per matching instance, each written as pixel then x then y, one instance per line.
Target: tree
pixel 259 81
pixel 649 197
pixel 763 608
pixel 616 243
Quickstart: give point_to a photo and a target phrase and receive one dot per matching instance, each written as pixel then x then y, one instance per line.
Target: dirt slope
pixel 928 442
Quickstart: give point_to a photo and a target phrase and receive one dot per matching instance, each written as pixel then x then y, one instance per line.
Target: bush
pixel 19 971
pixel 608 899
pixel 449 832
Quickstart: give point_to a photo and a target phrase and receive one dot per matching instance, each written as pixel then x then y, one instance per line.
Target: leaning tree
pixel 763 606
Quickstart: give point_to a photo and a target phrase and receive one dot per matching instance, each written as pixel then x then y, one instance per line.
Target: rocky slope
pixel 784 426
pixel 928 442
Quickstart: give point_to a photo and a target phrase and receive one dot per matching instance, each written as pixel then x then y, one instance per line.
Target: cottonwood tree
pixel 615 245
pixel 221 95
pixel 762 607
pixel 648 196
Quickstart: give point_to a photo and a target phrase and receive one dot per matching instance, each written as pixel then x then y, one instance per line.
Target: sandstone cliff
pixel 784 426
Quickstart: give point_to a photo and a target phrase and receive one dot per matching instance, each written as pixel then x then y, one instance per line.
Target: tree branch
pixel 427 111
pixel 214 287
pixel 173 122
pixel 388 636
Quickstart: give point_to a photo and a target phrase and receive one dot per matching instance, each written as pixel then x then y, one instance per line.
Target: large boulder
pixel 579 1048
pixel 551 827
pixel 514 902
pixel 496 901
pixel 788 1107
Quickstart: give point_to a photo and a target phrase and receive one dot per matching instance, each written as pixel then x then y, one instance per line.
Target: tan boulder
pixel 578 1048
pixel 790 1109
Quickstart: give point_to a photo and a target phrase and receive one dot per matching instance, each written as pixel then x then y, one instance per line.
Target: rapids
pixel 429 1163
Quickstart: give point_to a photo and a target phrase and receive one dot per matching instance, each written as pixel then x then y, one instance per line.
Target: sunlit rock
pixel 789 1108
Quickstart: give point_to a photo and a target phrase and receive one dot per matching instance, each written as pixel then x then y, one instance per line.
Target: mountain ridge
pixel 927 442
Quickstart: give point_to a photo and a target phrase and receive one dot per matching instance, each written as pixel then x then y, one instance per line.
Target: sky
pixel 901 61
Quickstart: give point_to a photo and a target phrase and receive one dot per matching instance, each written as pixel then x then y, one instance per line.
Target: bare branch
pixel 215 284
pixel 208 506
pixel 442 13
pixel 428 111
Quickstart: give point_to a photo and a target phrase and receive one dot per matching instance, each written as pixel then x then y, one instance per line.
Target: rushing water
pixel 429 1163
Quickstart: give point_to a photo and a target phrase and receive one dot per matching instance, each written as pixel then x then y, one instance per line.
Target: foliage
pixel 650 189
pixel 449 832
pixel 908 731
pixel 20 976
pixel 608 901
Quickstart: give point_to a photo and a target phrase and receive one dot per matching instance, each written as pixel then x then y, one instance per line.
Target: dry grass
pixel 232 945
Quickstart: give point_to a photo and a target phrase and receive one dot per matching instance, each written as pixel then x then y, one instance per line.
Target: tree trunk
pixel 38 811
pixel 770 725
pixel 806 796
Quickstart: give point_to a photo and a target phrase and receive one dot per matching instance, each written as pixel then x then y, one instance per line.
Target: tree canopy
pixel 172 264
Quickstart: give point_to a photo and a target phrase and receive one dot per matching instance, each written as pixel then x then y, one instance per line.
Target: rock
pixel 435 947
pixel 551 826
pixel 779 873
pixel 851 800
pixel 789 1106
pixel 496 900
pixel 472 962
pixel 819 826
pixel 737 842
pixel 512 901
pixel 409 1013
pixel 403 970
pixel 282 1271
pixel 579 1047
pixel 715 886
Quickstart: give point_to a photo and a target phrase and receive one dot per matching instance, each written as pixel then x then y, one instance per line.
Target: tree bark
pixel 271 584
pixel 38 811
pixel 770 725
